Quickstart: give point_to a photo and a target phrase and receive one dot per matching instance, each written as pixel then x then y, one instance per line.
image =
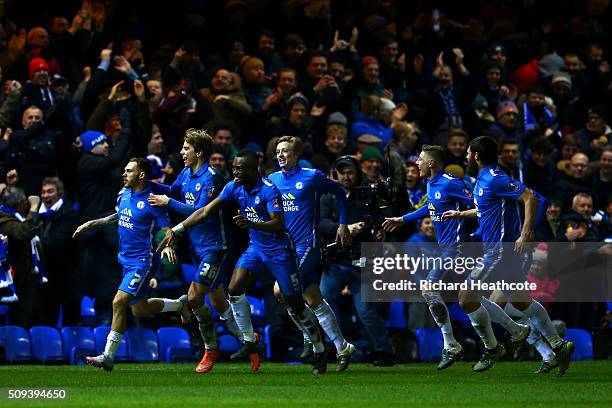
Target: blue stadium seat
pixel 142 343
pixel 583 341
pixel 189 272
pixel 78 343
pixel 174 345
pixel 100 335
pixel 258 312
pixel 397 320
pixel 16 343
pixel 88 311
pixel 46 344
pixel 430 343
pixel 268 341
pixel 228 343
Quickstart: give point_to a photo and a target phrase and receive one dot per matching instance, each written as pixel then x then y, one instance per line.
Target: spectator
pixel 510 159
pixel 58 221
pixel 34 150
pixel 575 181
pixel 19 222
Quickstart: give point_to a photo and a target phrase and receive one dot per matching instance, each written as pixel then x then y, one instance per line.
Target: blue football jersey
pixel 301 189
pixel 444 192
pixel 495 197
pixel 191 191
pixel 256 205
pixel 137 222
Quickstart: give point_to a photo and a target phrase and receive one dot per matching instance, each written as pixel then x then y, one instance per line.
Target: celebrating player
pixel 444 192
pixel 261 212
pixel 301 189
pixel 136 219
pixel 197 185
pixel 496 197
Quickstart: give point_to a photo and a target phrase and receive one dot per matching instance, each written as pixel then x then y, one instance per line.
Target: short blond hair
pixel 296 142
pixel 200 140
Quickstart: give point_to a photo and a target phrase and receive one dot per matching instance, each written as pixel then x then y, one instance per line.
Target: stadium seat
pixel 268 341
pixel 46 344
pixel 258 312
pixel 16 343
pixel 78 343
pixel 100 335
pixel 582 341
pixel 174 345
pixel 430 343
pixel 397 320
pixel 189 272
pixel 228 343
pixel 88 311
pixel 142 343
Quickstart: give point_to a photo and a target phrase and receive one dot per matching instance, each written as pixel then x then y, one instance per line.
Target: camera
pixel 377 197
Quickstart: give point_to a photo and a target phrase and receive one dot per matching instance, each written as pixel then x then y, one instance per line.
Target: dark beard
pixel 472 169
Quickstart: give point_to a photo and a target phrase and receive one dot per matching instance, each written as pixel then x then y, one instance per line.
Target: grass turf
pixel 508 384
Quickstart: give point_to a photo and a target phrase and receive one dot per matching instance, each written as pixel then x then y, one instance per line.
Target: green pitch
pixel 413 385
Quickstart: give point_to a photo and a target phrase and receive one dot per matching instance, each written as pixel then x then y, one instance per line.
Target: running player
pixel 444 192
pixel 301 189
pixel 197 185
pixel 496 197
pixel 136 219
pixel 261 212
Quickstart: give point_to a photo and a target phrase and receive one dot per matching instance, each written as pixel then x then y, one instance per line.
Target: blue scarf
pixel 453 118
pixel 37 264
pixel 7 289
pixel 529 121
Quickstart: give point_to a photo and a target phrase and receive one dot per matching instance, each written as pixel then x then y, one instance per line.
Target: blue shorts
pixel 308 259
pixel 501 263
pixel 438 272
pixel 136 281
pixel 283 265
pixel 213 268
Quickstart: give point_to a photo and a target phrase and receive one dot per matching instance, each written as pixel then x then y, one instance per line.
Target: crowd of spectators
pixel 87 86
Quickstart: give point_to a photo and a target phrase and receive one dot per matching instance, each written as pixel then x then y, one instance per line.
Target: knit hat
pixel 550 64
pixel 337 118
pixel 297 98
pixel 526 76
pixel 37 64
pixel 371 153
pixel 562 78
pixel 540 254
pixel 505 107
pixel 367 60
pixel 455 169
pixel 369 139
pixel 91 138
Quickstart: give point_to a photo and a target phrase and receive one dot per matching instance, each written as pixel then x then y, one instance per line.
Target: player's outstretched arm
pixel 531 210
pixel 459 214
pixel 195 218
pixel 95 223
pixel 275 225
pixel 391 223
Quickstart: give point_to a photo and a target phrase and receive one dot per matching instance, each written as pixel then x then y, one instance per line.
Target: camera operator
pixel 342 266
